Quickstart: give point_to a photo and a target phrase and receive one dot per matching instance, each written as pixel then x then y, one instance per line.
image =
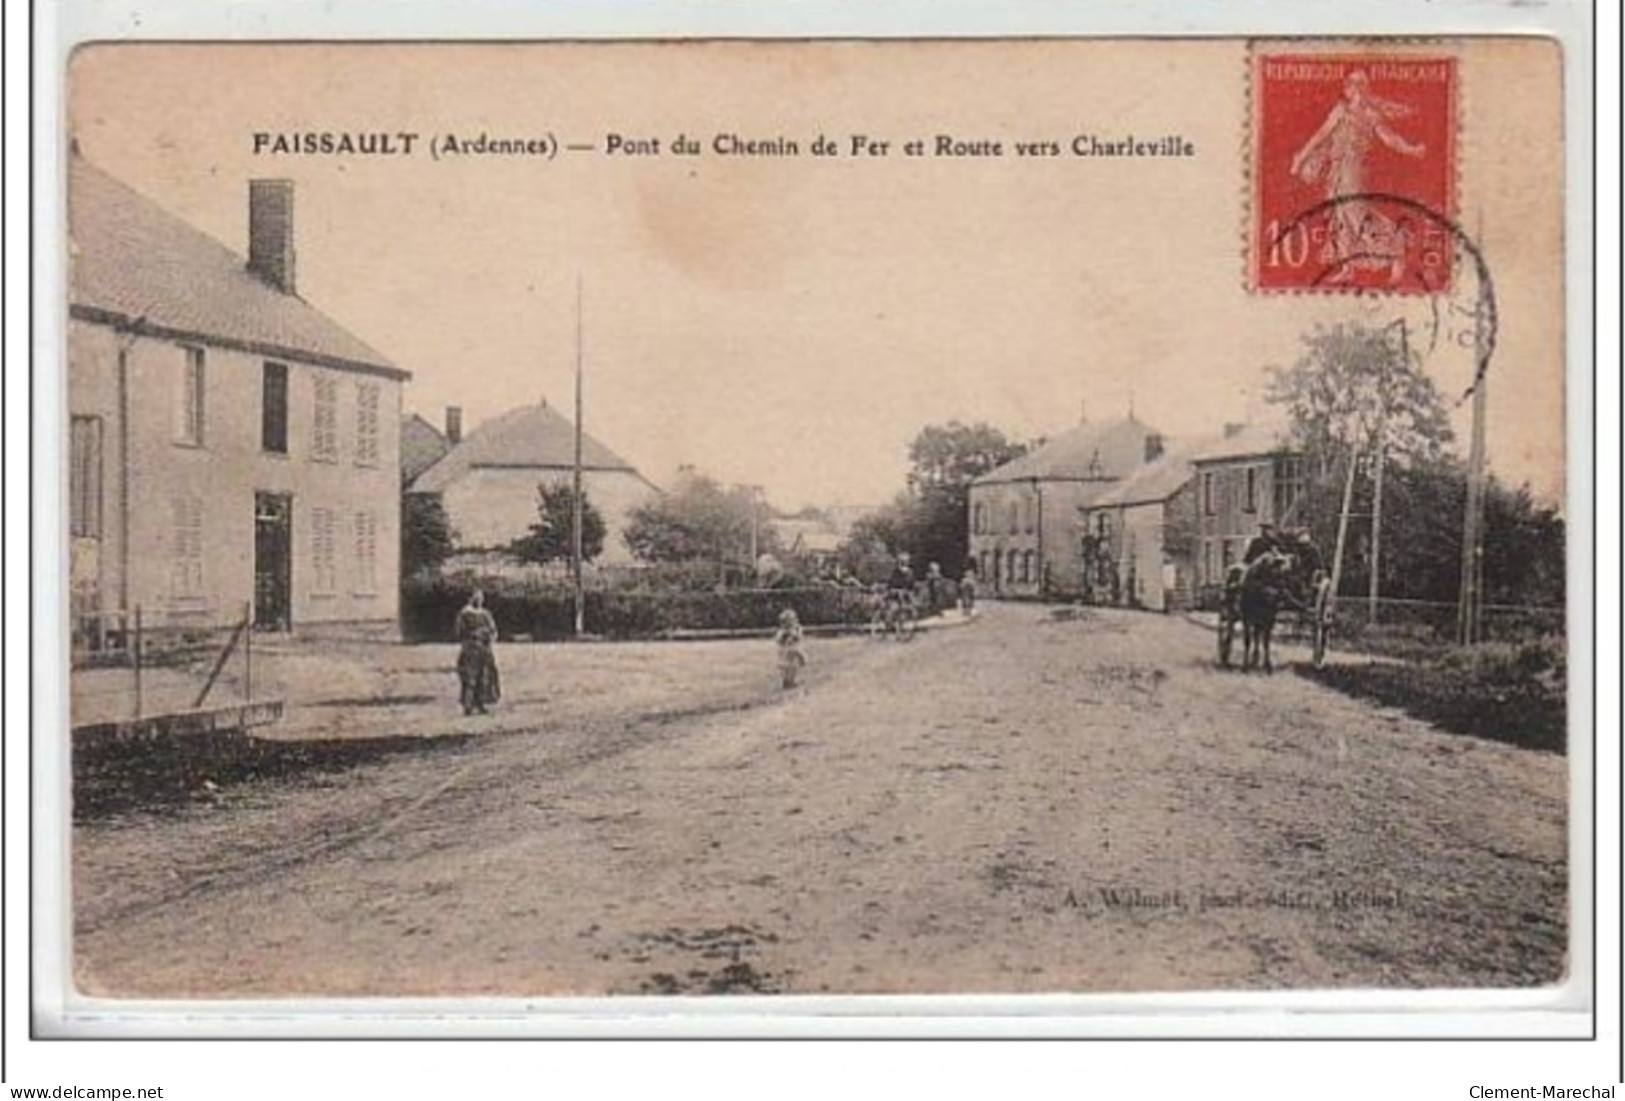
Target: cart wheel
pixel 1320 627
pixel 907 624
pixel 1227 638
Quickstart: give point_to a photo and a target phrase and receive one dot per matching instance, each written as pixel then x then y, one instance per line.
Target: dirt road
pixel 1022 804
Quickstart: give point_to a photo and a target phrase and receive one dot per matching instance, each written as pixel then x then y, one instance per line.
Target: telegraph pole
pixel 1382 448
pixel 1472 543
pixel 1471 609
pixel 576 509
pixel 1342 528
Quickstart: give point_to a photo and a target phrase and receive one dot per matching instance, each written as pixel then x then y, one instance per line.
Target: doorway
pixel 273 561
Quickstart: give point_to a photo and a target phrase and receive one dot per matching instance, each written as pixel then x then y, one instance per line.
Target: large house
pixel 231 447
pixel 1249 477
pixel 1137 539
pixel 1024 514
pixel 488 481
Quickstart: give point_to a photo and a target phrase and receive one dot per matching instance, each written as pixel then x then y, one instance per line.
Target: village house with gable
pixel 1138 539
pixel 488 481
pixel 230 446
pixel 1024 533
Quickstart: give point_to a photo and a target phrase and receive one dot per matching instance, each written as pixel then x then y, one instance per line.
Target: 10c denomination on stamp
pixel 1332 136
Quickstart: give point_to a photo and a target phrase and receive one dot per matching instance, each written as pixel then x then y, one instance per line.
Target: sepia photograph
pixel 716 518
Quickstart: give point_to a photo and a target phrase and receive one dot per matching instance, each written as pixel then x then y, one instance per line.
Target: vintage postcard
pixel 833 518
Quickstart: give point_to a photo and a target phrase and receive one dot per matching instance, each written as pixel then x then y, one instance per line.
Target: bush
pixel 547 610
pixel 1508 692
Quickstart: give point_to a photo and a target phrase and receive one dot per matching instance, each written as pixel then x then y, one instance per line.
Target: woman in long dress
pixel 476 660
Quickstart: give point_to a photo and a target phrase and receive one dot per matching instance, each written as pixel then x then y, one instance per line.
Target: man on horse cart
pixel 1289 573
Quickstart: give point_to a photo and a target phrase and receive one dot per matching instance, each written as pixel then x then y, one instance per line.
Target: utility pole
pixel 1342 531
pixel 1470 610
pixel 1382 447
pixel 1472 543
pixel 576 510
pixel 755 492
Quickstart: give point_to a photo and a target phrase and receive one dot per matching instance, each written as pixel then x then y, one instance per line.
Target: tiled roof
pixel 811 535
pixel 131 262
pixel 1154 482
pixel 530 437
pixel 1252 440
pixel 1087 452
pixel 422 445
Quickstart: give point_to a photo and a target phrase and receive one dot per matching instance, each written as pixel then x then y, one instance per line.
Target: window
pixel 1032 511
pixel 366 424
pixel 1015 517
pixel 323 552
pixel 1251 499
pixel 189 399
pixel 1289 486
pixel 186 547
pixel 85 477
pixel 1027 567
pixel 976 519
pixel 274 408
pixel 366 552
pixel 1010 566
pixel 324 432
pixel 1209 501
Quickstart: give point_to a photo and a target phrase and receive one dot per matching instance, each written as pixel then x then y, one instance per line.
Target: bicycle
pixel 900 617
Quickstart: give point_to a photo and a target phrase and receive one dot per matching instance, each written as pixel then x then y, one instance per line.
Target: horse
pixel 1265 588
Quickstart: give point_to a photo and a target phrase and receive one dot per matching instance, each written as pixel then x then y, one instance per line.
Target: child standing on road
pixel 788 640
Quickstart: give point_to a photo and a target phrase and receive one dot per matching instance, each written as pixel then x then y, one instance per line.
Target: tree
pixel 954 454
pixel 934 520
pixel 427 538
pixel 1351 385
pixel 551 539
pixel 1350 380
pixel 698 521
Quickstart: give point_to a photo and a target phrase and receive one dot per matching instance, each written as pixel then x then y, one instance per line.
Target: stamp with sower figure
pixel 1346 148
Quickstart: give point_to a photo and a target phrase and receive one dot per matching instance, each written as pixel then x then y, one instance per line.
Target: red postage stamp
pixel 1353 172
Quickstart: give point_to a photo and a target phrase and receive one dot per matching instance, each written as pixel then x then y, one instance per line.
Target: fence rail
pixel 126 666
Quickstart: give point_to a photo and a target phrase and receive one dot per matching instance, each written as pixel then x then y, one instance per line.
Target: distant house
pixel 230 445
pixel 488 481
pixel 1024 533
pixel 1249 477
pixel 815 541
pixel 1138 538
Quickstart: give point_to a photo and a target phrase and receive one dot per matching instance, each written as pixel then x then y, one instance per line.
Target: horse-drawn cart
pixel 1311 599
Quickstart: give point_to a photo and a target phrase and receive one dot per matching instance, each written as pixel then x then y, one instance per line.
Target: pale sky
pixel 793 322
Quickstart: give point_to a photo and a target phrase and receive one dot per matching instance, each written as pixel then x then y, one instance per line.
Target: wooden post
pixel 1342 533
pixel 1382 447
pixel 135 658
pixel 248 650
pixel 1472 543
pixel 576 510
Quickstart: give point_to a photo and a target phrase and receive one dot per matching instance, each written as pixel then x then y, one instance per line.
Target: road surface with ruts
pixel 1022 803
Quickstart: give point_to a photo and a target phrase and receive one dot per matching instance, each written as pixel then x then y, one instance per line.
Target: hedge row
pixel 429 609
pixel 1508 692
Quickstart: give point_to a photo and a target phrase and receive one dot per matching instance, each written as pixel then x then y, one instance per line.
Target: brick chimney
pixel 1153 446
pixel 270 232
pixel 454 424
